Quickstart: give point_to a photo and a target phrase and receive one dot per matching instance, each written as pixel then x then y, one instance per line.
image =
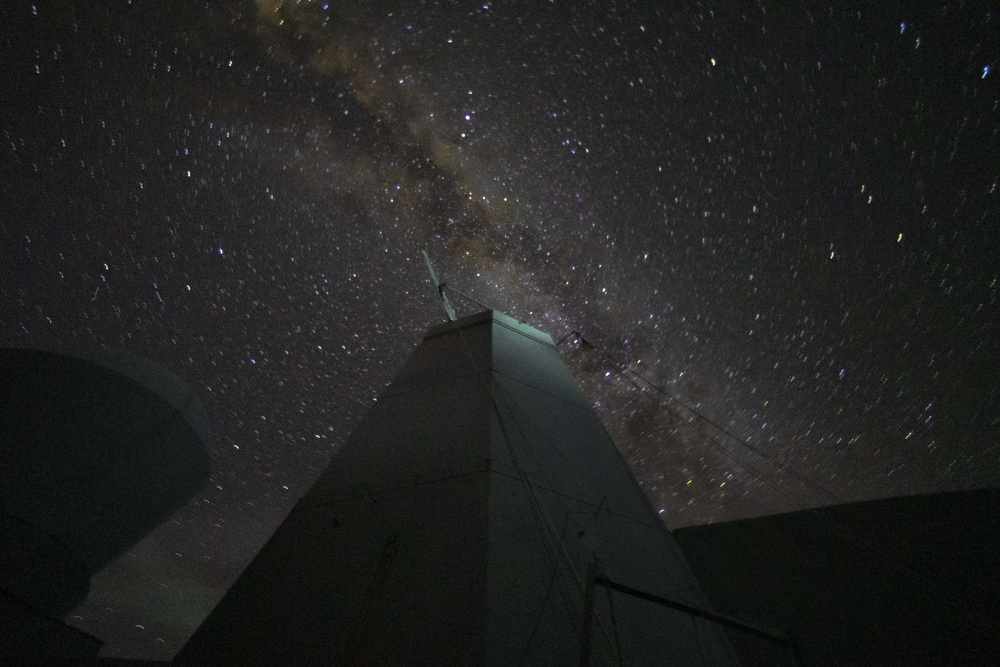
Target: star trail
pixel 765 234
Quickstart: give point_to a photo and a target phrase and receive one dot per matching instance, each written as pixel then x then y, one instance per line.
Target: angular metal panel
pixel 456 526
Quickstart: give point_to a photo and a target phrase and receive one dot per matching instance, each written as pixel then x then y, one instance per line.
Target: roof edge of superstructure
pixel 495 317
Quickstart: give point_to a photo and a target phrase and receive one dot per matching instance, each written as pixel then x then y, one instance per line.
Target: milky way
pixel 773 230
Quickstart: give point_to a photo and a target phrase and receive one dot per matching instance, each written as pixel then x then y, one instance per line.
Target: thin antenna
pixel 440 287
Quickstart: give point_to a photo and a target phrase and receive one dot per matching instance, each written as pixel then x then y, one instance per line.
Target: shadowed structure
pixel 95 450
pixel 903 581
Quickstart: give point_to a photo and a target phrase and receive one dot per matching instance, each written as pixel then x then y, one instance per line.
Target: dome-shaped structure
pixel 96 449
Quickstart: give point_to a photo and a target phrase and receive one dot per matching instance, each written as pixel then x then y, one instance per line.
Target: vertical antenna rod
pixel 440 287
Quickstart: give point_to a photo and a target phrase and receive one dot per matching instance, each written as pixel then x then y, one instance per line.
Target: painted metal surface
pixel 455 527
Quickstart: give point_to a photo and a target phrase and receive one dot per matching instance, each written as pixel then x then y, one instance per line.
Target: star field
pixel 774 229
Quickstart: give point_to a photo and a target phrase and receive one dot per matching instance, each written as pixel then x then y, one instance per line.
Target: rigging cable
pixel 628 373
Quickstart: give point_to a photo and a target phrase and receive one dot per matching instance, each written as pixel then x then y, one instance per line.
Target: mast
pixel 440 287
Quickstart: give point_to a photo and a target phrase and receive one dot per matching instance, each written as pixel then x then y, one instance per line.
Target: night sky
pixel 785 216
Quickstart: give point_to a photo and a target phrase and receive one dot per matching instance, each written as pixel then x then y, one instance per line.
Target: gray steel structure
pixel 465 521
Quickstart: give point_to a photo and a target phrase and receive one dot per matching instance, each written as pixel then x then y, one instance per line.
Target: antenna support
pixel 440 287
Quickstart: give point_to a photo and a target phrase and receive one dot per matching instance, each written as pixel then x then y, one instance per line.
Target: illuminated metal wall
pixel 457 524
